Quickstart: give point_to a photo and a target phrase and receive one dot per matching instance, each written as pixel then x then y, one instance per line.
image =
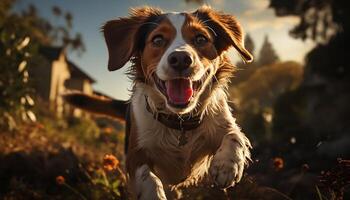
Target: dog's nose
pixel 179 60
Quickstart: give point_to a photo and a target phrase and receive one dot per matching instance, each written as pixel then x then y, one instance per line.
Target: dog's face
pixel 179 55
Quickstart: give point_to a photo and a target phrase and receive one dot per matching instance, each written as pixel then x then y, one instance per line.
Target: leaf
pixel 25 76
pixel 11 123
pixel 30 101
pixel 31 116
pixel 23 100
pixel 22 66
pixel 115 184
pixel 23 44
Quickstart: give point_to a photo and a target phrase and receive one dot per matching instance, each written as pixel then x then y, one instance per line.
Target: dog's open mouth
pixel 179 91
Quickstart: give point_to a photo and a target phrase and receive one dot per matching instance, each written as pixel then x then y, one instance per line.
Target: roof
pixel 51 53
pixel 76 72
pixel 99 93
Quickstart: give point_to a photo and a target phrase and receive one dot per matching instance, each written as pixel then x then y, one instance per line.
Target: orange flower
pixel 108 130
pixel 40 125
pixel 278 163
pixel 60 180
pixel 110 162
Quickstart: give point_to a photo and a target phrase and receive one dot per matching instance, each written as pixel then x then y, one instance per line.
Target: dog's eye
pixel 200 40
pixel 158 41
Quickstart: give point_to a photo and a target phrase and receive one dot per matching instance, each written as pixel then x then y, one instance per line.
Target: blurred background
pixel 292 101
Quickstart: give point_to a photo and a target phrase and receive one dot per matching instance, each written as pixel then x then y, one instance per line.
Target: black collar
pixel 181 123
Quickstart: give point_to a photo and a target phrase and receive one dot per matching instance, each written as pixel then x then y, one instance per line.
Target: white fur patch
pixel 177 44
pixel 148 186
pixel 152 133
pixel 228 163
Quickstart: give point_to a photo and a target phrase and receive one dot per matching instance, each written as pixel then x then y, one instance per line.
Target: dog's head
pixel 180 56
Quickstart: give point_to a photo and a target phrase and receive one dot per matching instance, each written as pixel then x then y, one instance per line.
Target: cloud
pixel 258 15
pixel 255 7
pixel 274 23
pixel 218 2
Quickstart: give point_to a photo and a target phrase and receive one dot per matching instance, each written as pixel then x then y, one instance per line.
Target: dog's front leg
pixel 227 165
pixel 147 185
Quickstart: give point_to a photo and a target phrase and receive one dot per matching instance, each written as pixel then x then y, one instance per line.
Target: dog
pixel 179 125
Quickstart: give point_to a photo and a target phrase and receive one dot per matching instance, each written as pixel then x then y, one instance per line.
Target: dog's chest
pixel 174 163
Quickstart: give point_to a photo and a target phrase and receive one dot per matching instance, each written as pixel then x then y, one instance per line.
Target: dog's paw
pixel 148 185
pixel 226 170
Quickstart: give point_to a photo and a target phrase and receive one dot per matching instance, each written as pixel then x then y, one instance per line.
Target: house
pixel 78 81
pixel 56 74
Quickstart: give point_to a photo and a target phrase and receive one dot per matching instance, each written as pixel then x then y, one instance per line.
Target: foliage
pixel 47 161
pixel 267 56
pixel 48 34
pixel 266 84
pixel 326 77
pixel 319 19
pixel 16 50
pixel 255 97
pixel 327 23
pixel 85 130
pixel 249 43
pixel 21 35
pixel 267 53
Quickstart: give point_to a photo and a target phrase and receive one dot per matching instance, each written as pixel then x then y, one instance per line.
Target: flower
pixel 60 180
pixel 39 125
pixel 110 162
pixel 278 163
pixel 108 130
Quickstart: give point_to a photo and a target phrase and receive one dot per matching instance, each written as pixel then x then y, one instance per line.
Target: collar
pixel 181 123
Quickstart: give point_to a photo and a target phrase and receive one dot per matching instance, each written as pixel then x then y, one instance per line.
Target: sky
pixel 89 15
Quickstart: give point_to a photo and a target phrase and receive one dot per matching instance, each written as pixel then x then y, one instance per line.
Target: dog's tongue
pixel 179 91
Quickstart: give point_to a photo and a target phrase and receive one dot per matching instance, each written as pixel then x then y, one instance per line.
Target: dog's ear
pixel 227 30
pixel 120 35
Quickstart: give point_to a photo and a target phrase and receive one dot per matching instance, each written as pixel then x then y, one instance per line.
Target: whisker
pixel 205 21
pixel 150 23
pixel 212 30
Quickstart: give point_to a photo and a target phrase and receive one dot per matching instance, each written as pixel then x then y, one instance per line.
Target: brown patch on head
pixel 122 35
pixel 227 29
pixel 153 50
pixel 192 29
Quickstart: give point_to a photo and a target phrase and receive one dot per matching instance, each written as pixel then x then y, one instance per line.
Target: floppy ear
pixel 121 35
pixel 228 31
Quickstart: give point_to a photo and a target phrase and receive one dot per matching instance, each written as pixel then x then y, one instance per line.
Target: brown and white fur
pixel 218 148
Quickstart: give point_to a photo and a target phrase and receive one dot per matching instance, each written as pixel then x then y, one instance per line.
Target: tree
pixel 318 110
pixel 267 53
pixel 21 35
pixel 327 23
pixel 249 44
pixel 258 93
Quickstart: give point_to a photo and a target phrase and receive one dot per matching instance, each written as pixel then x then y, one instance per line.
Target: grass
pixel 78 159
pixel 36 154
